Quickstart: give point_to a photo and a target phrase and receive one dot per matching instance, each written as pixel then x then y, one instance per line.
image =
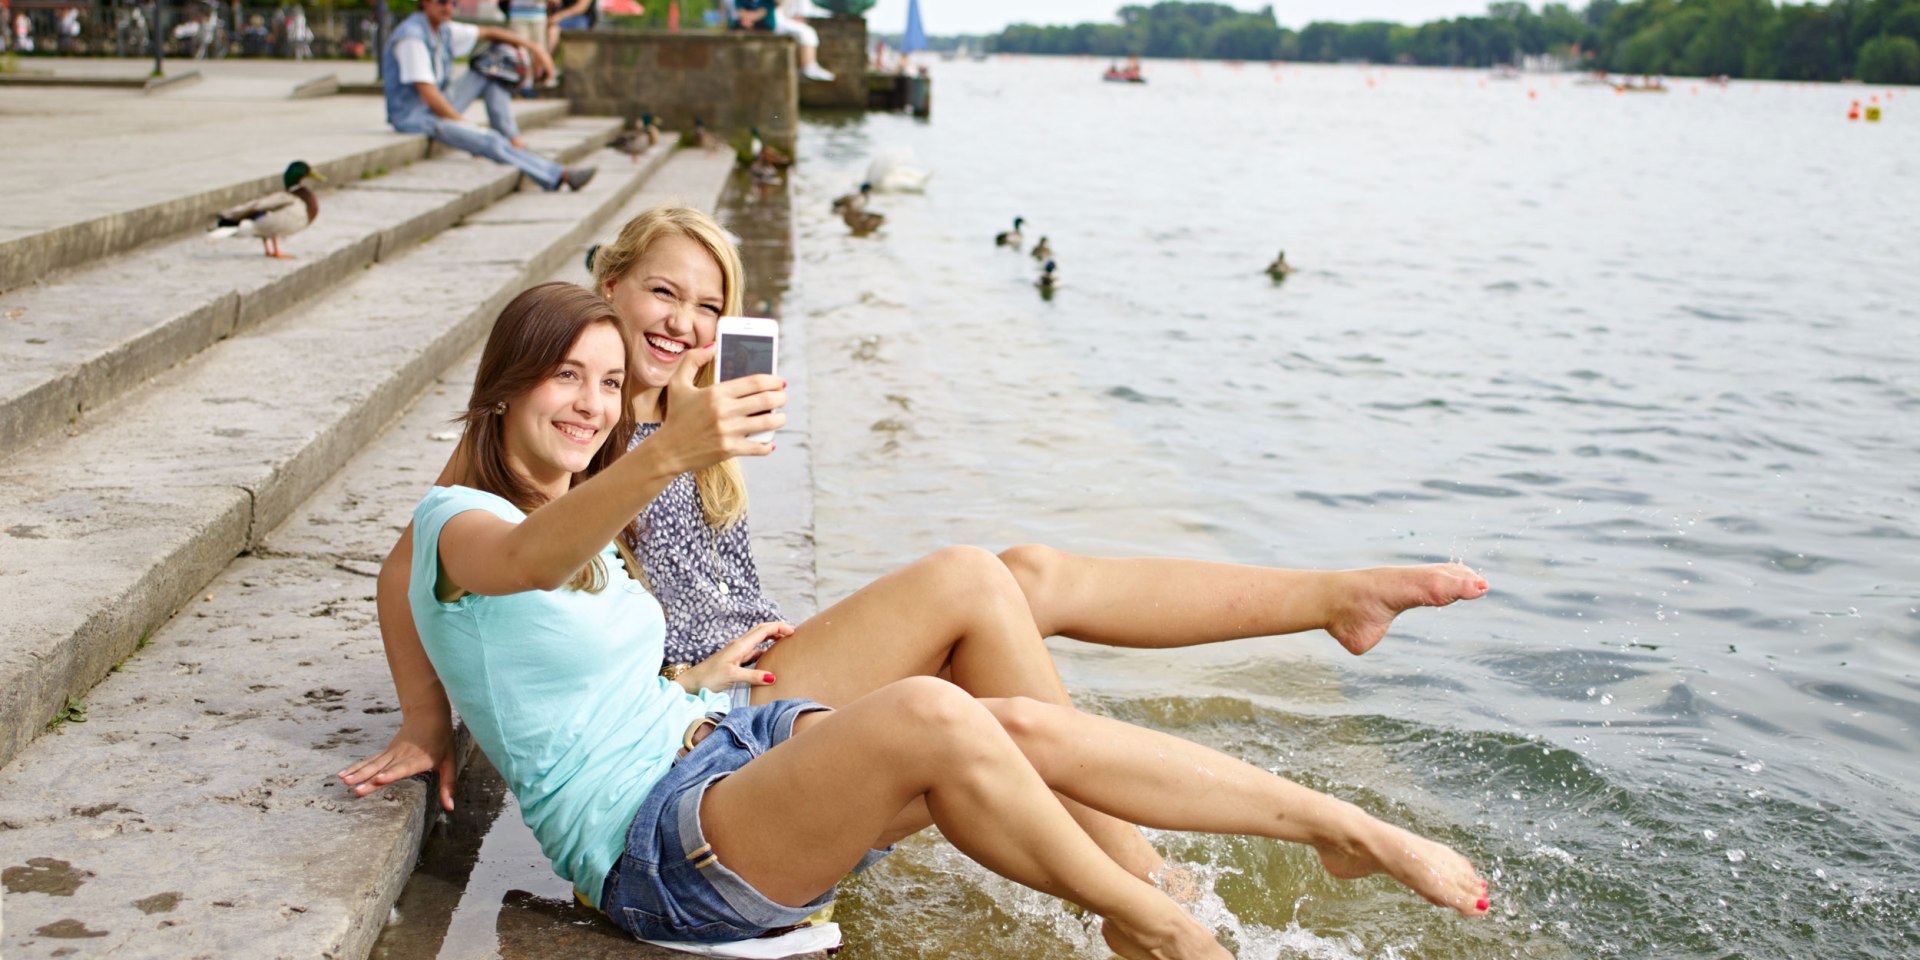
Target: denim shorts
pixel 669 885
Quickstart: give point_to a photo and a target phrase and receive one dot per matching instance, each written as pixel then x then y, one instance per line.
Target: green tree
pixel 1890 59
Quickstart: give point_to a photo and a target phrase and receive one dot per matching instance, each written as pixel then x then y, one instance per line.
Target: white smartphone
pixel 749 345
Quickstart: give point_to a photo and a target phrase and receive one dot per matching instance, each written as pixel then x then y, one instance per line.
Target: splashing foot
pixel 1187 940
pixel 1432 870
pixel 1364 602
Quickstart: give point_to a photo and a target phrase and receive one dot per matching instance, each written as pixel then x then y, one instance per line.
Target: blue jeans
pixel 669 885
pixel 493 144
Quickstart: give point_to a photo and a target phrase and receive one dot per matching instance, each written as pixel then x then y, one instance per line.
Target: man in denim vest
pixel 416 68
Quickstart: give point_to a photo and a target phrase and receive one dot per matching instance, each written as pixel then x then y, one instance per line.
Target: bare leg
pixel 957 610
pixel 794 820
pixel 1151 778
pixel 1162 602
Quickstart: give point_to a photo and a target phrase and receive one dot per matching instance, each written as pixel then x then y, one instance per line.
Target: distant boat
pixel 915 36
pixel 1646 85
pixel 1131 74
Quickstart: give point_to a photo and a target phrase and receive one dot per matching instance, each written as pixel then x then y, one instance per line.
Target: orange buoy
pixel 1533 94
pixel 1853 112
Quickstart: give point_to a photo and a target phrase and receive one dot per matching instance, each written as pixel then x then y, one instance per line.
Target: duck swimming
pixel 1042 251
pixel 1049 277
pixel 1279 269
pixel 855 201
pixel 862 222
pixel 282 213
pixel 1010 238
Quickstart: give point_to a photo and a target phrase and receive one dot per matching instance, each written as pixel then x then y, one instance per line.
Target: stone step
pixel 195 812
pixel 103 535
pixel 80 339
pixel 92 199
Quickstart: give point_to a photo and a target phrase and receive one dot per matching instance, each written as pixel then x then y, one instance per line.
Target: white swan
pixel 889 173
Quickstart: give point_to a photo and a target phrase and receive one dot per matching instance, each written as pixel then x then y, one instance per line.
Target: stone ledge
pixel 113 529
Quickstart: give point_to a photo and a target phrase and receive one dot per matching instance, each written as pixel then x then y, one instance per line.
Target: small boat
pixel 1646 85
pixel 1130 74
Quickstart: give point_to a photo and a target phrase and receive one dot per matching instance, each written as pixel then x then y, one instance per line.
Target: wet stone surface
pixel 46 875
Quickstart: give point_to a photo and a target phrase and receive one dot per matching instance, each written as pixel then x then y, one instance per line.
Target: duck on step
pixel 282 213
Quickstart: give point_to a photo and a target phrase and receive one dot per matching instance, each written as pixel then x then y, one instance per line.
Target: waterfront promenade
pixel 206 453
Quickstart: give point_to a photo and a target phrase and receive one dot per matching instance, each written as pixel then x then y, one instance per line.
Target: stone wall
pixel 731 81
pixel 843 50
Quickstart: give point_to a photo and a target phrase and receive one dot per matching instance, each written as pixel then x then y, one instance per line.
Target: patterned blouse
pixel 705 578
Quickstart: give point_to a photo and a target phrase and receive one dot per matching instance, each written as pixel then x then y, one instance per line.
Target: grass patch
pixel 73 712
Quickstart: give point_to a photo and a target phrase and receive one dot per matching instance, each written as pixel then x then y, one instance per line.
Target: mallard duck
pixel 855 201
pixel 769 154
pixel 640 139
pixel 1049 277
pixel 1278 269
pixel 863 222
pixel 1042 251
pixel 1010 238
pixel 282 213
pixel 700 137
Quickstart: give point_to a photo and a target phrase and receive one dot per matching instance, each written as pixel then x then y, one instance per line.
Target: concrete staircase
pixel 205 453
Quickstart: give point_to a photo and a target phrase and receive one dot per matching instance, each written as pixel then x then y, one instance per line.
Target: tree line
pixel 1877 41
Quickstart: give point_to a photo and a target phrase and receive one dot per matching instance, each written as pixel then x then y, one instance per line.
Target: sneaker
pixel 577 178
pixel 814 71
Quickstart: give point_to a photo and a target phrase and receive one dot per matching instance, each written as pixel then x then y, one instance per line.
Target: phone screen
pixel 741 354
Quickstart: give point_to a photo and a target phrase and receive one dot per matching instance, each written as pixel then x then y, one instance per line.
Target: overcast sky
pixel 988 16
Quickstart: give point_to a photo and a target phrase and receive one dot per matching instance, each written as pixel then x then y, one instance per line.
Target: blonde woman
pixel 962 613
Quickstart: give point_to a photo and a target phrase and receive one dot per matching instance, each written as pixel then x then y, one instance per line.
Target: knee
pixel 1026 720
pixel 971 573
pixel 941 715
pixel 1030 563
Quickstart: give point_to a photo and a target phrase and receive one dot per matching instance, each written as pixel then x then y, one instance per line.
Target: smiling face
pixel 553 431
pixel 671 299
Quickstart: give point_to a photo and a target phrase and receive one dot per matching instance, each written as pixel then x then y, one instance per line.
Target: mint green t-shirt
pixel 561 689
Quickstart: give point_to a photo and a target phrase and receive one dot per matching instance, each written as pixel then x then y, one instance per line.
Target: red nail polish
pixel 1481 904
pixel 767 677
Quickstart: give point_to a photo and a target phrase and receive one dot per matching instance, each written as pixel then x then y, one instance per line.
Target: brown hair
pixel 722 488
pixel 528 343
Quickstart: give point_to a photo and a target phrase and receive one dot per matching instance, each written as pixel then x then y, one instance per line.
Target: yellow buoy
pixel 1873 114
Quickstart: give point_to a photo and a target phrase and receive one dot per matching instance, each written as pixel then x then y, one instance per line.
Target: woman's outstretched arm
pixel 482 554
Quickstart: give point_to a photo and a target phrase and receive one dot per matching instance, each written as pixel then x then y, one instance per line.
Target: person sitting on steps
pixel 416 70
pixel 767 15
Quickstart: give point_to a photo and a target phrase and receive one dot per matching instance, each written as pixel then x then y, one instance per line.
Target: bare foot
pixel 1181 883
pixel 1429 869
pixel 518 143
pixel 1189 940
pixel 1364 602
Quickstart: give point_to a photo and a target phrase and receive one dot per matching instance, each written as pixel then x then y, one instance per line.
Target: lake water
pixel 1651 363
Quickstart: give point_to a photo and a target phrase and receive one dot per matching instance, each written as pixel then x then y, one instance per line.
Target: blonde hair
pixel 722 487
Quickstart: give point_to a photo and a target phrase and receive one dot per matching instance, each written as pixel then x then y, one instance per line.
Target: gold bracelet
pixel 672 671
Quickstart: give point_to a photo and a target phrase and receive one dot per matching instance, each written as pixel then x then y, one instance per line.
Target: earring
pixel 500 407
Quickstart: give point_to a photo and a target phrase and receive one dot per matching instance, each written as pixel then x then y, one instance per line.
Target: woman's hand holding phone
pixel 709 424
